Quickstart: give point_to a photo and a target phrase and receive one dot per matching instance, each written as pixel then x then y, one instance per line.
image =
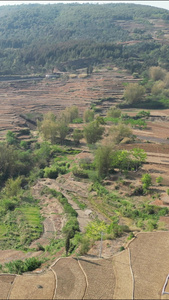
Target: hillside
pixel 38 38
pixel 84 154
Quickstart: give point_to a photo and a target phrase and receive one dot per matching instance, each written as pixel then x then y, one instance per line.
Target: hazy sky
pixel 161 4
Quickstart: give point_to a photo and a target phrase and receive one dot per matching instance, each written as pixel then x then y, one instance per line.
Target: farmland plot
pixel 100 277
pixel 71 283
pixel 6 282
pixel 149 262
pixel 34 286
pixel 124 281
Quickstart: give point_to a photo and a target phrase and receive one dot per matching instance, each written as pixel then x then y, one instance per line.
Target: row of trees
pixel 154 87
pixel 53 127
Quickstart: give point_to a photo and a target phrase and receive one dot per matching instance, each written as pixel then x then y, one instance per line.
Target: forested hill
pixel 36 37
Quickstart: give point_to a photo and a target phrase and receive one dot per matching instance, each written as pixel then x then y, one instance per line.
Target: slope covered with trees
pixel 36 38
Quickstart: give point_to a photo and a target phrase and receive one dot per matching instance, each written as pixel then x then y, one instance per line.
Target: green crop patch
pixel 32 216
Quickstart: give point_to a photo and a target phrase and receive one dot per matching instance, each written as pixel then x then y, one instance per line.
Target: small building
pixel 56 75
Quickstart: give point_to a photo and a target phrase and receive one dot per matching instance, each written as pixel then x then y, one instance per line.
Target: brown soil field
pixel 9 255
pixel 6 282
pixel 124 280
pixel 100 277
pixel 149 257
pixel 34 286
pixel 71 283
pixel 20 97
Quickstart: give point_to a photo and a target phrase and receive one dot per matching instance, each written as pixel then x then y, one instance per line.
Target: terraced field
pixel 139 272
pixel 30 97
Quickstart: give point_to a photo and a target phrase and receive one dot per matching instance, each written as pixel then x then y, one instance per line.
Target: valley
pixel 84 152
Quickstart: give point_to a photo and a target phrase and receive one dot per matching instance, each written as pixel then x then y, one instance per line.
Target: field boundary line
pixel 55 275
pixel 164 286
pixel 131 273
pixel 87 283
pixel 16 275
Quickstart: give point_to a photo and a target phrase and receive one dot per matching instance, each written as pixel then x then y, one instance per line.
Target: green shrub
pixel 69 210
pixel 72 226
pixel 79 172
pixel 122 248
pixel 84 246
pixel 146 180
pixel 114 112
pixel 159 180
pixel 143 114
pixel 19 266
pixel 151 225
pixel 77 121
pixel 88 115
pixel 131 236
pixel 24 144
pixel 51 172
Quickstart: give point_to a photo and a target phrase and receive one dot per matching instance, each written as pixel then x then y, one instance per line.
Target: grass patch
pixel 111 205
pixel 3 230
pixel 80 204
pixel 32 215
pixel 141 124
pixel 21 226
pixel 19 266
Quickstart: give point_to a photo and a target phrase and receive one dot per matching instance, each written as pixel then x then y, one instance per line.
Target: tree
pixel 48 127
pixel 93 132
pixel 134 93
pixel 121 160
pixel 67 242
pixel 158 87
pixel 114 112
pixel 146 180
pixel 88 115
pixel 157 73
pixel 139 156
pixel 118 132
pixel 42 155
pixel 77 135
pixel 62 129
pixel 70 113
pixel 103 160
pixel 13 187
pixel 89 69
pixel 11 138
pixel 95 228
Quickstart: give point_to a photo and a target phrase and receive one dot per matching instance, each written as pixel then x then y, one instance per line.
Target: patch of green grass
pixel 80 204
pixel 3 230
pixel 55 246
pixel 32 216
pixel 21 226
pixel 110 205
pixel 134 123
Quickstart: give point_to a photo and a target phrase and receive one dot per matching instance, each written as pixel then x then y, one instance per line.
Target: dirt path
pixel 49 233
